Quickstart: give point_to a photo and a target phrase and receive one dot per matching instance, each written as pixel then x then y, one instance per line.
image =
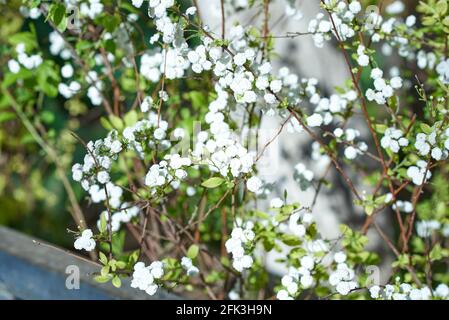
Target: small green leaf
pixel 116 122
pixel 103 223
pixel 103 258
pixel 369 210
pixel 116 282
pixel 441 7
pixel 213 182
pixel 426 128
pixel 105 271
pixel 102 279
pixel 131 118
pixel 193 251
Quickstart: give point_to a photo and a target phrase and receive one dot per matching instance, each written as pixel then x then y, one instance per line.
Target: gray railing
pixel 29 270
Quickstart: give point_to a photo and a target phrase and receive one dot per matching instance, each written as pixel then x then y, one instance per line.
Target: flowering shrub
pixel 176 169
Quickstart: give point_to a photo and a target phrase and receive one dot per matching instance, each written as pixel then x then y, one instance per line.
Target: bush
pixel 172 180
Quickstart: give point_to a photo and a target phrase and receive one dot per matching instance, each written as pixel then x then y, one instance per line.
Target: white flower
pixel 393 139
pixel 363 60
pixel 86 241
pixel 13 66
pixel 396 82
pixel 283 295
pixel 410 21
pixel 179 133
pixel 376 73
pixel 186 262
pixel 315 120
pixel 437 154
pixel 137 3
pixel 442 291
pixel 374 292
pixel 276 85
pixel 351 152
pixel 103 177
pixel 67 71
pixel 240 59
pixel 276 203
pixel 355 7
pixel 339 257
pixel 307 262
pixel 270 98
pixel 254 184
pixel 191 11
pixel 265 68
pixel 419 173
pixel 146 104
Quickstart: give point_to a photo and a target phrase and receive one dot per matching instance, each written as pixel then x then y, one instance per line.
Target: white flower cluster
pixel 91 8
pixel 382 91
pixel 342 15
pixel 296 279
pixel 299 222
pixel 405 291
pixel 124 214
pixel 425 228
pixel 404 206
pixel 254 184
pixel 86 241
pixel 169 62
pixel 303 176
pixel 98 161
pixel 148 133
pixel 419 173
pixel 353 149
pixel 427 143
pixel 29 62
pixel 68 90
pixel 158 10
pixel 58 46
pixel 144 278
pixel 171 171
pixel 32 13
pixel 219 149
pixel 188 266
pixel 443 71
pixel 241 238
pixel 426 60
pixel 94 91
pixel 343 278
pixel 98 194
pixel 393 140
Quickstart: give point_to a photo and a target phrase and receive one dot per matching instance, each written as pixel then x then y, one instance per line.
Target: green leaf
pixel 58 13
pixel 290 240
pixel 131 118
pixel 438 253
pixel 213 182
pixel 103 223
pixel 106 124
pixel 103 258
pixel 116 122
pixel 446 21
pixel 193 251
pixel 6 116
pixel 369 209
pixel 116 282
pixel 102 279
pixel 426 128
pixel 105 270
pixel 441 7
